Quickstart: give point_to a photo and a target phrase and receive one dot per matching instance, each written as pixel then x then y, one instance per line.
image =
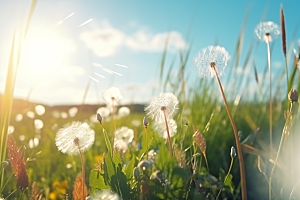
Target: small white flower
pixel 162 131
pixel 211 54
pixel 267 31
pixel 112 94
pixel 67 136
pixel 124 133
pixel 164 102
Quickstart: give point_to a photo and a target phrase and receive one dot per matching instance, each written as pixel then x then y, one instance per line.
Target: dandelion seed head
pixel 165 102
pixel 120 145
pixel 30 114
pixel 38 124
pixel 40 110
pixel 19 117
pixel 211 55
pixel 124 133
pixel 114 94
pixel 71 132
pixel 123 111
pixel 162 130
pixel 267 31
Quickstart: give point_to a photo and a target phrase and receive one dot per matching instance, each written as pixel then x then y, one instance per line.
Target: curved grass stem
pixel 236 136
pixel 168 138
pixel 226 177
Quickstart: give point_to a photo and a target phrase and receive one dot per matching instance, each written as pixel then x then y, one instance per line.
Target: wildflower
pixel 17 163
pixel 267 31
pixel 112 96
pixel 123 111
pixel 162 131
pixel 73 136
pixel 99 118
pixel 124 133
pixel 293 96
pixel 73 111
pixel 40 110
pixel 145 122
pixel 212 56
pixel 165 103
pixel 232 152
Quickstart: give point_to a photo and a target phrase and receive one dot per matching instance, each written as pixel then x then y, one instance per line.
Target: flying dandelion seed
pixel 86 22
pixel 121 65
pixel 73 111
pixel 40 110
pixel 19 117
pixel 106 70
pixel 62 21
pixel 99 75
pixel 38 124
pixel 93 79
pixel 30 114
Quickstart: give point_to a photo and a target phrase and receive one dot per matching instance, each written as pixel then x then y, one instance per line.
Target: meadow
pixel 212 140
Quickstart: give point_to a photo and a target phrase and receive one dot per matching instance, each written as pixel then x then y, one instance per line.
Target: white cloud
pixel 106 40
pixel 103 41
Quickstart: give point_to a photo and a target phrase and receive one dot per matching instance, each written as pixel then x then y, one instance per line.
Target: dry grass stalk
pixel 200 141
pixel 261 165
pixel 77 191
pixel 282 25
pixel 36 193
pixel 17 163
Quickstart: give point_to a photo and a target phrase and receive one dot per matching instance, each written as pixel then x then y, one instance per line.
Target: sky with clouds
pixel 72 44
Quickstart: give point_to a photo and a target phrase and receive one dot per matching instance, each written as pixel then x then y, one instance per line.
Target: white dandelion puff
pixel 124 133
pixel 211 55
pixel 30 114
pixel 73 136
pixel 165 102
pixel 19 117
pixel 73 111
pixel 40 110
pixel 103 111
pixel 267 31
pixel 38 124
pixel 123 111
pixel 112 96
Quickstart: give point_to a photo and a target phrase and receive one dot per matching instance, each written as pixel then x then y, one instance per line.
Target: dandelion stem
pixel 146 140
pixel 168 138
pixel 231 164
pixel 236 136
pixel 279 149
pixel 271 101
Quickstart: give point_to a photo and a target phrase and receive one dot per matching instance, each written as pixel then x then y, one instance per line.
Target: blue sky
pixel 58 55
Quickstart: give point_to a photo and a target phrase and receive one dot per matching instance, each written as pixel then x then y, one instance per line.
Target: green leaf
pixel 119 183
pixel 109 169
pixel 107 142
pixel 97 180
pixel 129 169
pixel 117 159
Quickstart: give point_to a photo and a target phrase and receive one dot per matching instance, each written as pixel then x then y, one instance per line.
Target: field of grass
pixel 202 160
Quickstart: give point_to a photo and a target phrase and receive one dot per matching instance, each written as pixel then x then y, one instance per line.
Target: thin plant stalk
pixel 83 170
pixel 236 136
pixel 279 150
pixel 226 177
pixel 146 139
pixel 168 138
pixel 270 100
pixel 11 193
